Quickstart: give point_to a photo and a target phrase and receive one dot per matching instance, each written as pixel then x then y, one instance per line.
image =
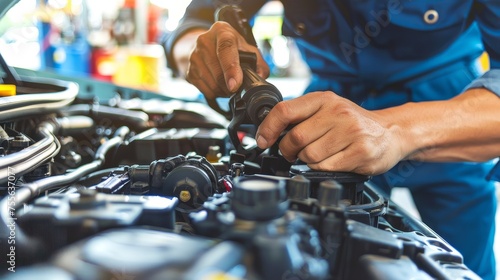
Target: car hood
pixel 5 5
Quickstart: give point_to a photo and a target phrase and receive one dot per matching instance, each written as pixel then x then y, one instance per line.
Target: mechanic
pixel 396 90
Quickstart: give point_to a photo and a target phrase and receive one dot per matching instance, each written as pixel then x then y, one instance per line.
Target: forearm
pixel 465 128
pixel 182 48
pixel 199 15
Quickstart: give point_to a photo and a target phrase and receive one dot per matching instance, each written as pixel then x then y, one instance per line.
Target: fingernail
pixel 261 142
pixel 232 84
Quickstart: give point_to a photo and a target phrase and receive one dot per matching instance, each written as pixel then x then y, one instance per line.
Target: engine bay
pixel 118 185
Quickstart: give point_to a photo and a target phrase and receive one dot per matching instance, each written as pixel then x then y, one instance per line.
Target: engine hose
pixel 98 112
pixel 31 157
pixel 25 192
pixel 37 95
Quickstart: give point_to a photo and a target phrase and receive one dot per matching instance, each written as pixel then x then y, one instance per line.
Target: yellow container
pixel 7 90
pixel 139 67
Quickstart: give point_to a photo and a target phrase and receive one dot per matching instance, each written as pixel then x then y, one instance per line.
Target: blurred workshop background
pixel 118 41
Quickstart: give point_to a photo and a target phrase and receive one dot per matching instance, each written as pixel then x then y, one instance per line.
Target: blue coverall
pixel 383 53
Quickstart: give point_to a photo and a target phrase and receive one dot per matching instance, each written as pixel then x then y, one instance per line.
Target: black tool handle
pixel 256 97
pixel 238 20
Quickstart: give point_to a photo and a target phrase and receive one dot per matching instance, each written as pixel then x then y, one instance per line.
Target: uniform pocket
pixel 428 15
pixel 423 28
pixel 309 19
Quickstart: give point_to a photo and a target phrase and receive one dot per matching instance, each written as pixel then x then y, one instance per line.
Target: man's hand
pixel 333 133
pixel 214 66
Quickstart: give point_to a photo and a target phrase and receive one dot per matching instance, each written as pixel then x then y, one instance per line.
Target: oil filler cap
pixel 259 199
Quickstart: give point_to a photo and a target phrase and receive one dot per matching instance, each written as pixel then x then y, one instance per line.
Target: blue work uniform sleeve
pixel 489 80
pixel 200 14
pixel 495 173
pixel 487 15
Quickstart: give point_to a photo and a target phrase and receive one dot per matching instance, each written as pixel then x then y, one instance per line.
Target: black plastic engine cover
pixel 155 143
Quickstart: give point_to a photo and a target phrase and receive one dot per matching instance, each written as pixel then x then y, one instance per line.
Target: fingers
pixel 214 65
pixel 183 47
pixel 357 158
pixel 204 69
pixel 363 145
pixel 200 76
pixel 339 125
pixel 326 144
pixel 331 133
pixel 313 132
pixel 286 113
pixel 227 53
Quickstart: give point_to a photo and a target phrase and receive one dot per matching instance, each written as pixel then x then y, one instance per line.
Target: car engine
pixel 119 184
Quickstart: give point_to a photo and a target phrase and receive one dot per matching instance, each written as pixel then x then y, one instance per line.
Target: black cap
pixel 259 199
pixel 330 193
pixel 298 187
